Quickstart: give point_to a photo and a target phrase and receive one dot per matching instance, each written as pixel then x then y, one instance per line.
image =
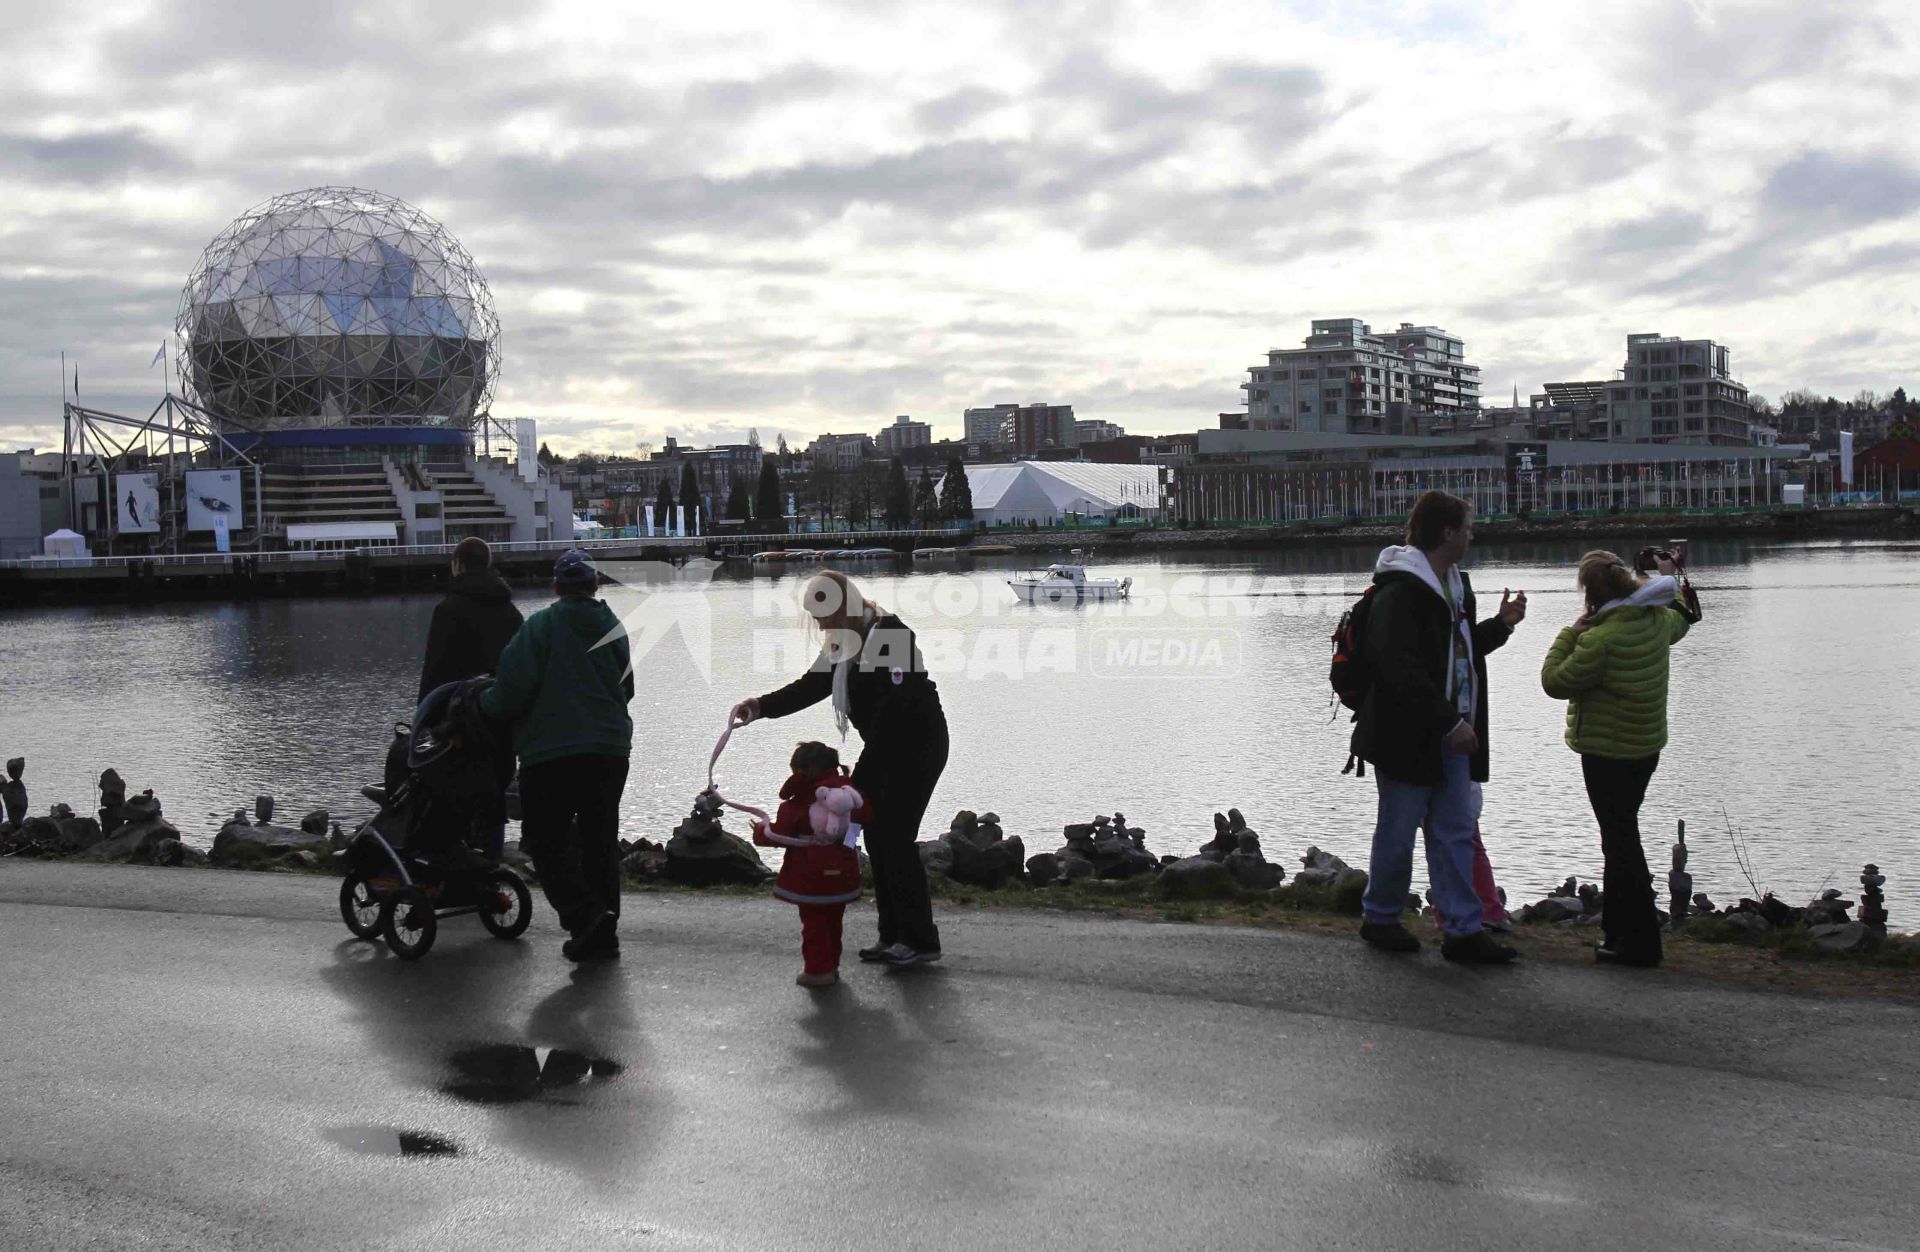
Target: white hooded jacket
pixel 1410 560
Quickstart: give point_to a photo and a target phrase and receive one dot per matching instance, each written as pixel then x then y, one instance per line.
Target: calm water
pixel 1794 706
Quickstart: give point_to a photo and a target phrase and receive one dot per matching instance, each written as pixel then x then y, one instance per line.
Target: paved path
pixel 205 1060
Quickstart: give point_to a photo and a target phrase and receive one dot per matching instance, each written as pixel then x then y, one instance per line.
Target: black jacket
pixel 1406 713
pixel 470 629
pixel 890 699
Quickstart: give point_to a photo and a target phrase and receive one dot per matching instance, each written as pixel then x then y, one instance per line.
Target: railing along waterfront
pixel 507 547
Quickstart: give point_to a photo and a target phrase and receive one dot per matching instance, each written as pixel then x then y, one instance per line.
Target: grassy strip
pixel 1705 946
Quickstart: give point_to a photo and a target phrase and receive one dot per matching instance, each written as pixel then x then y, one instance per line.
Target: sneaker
pixel 900 955
pixel 1605 955
pixel 1477 948
pixel 1502 927
pixel 877 954
pixel 1389 937
pixel 598 942
pixel 827 979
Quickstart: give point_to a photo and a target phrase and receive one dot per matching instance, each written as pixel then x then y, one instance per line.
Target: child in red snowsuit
pixel 819 805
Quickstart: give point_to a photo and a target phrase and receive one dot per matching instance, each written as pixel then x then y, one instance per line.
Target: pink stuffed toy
pixel 830 813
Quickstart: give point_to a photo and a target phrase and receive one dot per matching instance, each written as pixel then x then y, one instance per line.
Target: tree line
pixel 872 493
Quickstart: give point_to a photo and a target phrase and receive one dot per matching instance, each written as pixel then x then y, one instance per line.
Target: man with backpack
pixel 1418 687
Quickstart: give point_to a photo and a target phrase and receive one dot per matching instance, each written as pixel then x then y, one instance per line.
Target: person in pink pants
pixel 1493 912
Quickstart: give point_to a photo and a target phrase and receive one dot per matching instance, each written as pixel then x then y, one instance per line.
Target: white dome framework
pixel 338 307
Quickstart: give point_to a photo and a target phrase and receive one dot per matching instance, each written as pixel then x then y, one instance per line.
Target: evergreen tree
pixel 690 496
pixel 739 502
pixel 859 498
pixel 926 502
pixel 545 457
pixel 899 496
pixel 956 493
pixel 663 506
pixel 767 504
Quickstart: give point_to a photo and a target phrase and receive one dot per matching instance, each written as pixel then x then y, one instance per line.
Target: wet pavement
pixel 208 1060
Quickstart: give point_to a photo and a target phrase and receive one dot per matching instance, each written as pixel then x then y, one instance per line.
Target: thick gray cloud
pixel 824 214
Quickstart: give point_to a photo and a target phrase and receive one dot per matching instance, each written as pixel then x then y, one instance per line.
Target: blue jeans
pixel 1446 812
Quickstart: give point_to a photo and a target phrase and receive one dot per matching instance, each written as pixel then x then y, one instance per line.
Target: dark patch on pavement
pixel 505 1073
pixel 391 1141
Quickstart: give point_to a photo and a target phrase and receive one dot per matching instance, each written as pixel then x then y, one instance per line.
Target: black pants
pixel 898 779
pixel 570 827
pixel 1615 789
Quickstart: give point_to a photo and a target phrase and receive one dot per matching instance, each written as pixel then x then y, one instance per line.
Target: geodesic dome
pixel 338 306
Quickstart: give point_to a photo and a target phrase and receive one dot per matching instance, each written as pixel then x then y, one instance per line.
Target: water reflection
pixel 506 1073
pixel 391 1141
pixel 1786 708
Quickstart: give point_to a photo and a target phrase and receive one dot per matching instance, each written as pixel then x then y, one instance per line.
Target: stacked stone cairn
pixel 703 853
pixel 1105 848
pixel 262 844
pixel 1873 901
pixel 1825 919
pixel 975 852
pixel 130 830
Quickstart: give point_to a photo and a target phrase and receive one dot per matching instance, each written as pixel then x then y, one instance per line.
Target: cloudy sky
pixel 812 216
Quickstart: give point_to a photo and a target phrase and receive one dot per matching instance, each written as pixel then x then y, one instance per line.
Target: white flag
pixel 156 356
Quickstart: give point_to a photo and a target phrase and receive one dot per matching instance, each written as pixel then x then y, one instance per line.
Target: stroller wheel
pixel 411 924
pixel 364 912
pixel 506 906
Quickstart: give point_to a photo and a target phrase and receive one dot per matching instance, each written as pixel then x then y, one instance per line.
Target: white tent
pixel 64 542
pixel 1046 492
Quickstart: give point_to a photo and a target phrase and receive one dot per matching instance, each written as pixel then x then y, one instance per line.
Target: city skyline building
pixel 1674 390
pixel 1030 428
pixel 1345 379
pixel 985 425
pixel 905 433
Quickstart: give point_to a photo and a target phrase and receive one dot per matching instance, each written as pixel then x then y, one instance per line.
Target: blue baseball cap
pixel 575 572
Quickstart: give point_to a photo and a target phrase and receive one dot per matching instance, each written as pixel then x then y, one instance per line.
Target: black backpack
pixel 1350 675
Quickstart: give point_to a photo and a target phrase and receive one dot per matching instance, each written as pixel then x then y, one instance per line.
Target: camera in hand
pixel 1647 560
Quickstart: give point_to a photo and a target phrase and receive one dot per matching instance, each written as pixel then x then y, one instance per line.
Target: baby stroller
pixel 416 860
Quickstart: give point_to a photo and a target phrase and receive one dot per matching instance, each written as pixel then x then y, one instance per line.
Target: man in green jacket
pixel 564 681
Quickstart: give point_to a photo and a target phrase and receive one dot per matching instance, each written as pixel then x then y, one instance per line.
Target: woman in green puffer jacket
pixel 1611 668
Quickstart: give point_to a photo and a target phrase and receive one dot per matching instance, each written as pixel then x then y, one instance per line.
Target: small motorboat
pixel 1067 582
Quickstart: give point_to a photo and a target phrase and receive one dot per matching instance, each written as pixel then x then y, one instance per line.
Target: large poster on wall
pixel 211 494
pixel 136 503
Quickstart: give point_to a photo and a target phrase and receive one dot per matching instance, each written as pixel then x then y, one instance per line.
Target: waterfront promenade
pixel 205 1060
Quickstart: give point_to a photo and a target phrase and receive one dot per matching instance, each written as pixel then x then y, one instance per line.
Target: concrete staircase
pixel 346 493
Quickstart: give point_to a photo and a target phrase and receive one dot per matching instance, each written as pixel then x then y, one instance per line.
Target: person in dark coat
pixel 872 670
pixel 1422 725
pixel 472 624
pixel 470 628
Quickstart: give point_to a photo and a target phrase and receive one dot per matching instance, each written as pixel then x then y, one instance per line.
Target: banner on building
pixel 528 445
pixel 213 495
pixel 1846 457
pixel 221 541
pixel 1526 471
pixel 136 503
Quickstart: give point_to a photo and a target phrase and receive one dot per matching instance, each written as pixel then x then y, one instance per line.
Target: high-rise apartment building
pixel 1677 391
pixel 1031 427
pixel 903 434
pixel 985 424
pixel 1347 380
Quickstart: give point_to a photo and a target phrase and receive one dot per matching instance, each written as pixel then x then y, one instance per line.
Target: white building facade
pixel 1346 379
